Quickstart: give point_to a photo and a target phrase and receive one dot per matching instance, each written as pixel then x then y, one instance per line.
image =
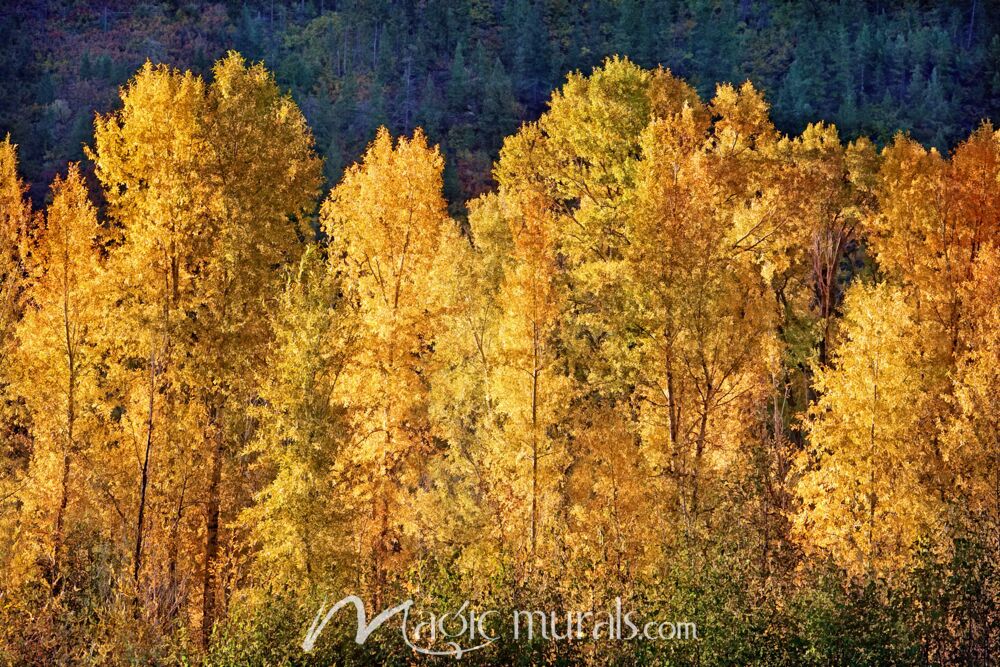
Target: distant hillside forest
pixel 470 72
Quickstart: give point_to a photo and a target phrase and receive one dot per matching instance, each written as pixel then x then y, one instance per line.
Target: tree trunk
pixel 60 522
pixel 972 25
pixel 173 600
pixel 59 536
pixel 144 482
pixel 381 550
pixel 698 454
pixel 212 532
pixel 380 510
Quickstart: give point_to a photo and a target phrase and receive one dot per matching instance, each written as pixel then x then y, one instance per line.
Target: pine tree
pixel 430 114
pixel 459 85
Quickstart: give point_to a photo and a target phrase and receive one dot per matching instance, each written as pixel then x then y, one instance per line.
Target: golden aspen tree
pixel 582 158
pixel 864 491
pixel 298 521
pixel 503 337
pixel 390 231
pixel 586 155
pixel 147 155
pixel 267 177
pixel 213 217
pixel 470 499
pixel 973 432
pixel 15 220
pixel 15 216
pixel 934 216
pixel 54 368
pixel 695 336
pixel 972 445
pixel 531 386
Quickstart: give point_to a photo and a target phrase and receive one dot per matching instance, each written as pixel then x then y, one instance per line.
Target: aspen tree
pixel 532 388
pixel 863 490
pixel 390 232
pixel 15 219
pixel 210 205
pixel 15 216
pixel 696 334
pixel 55 362
pixel 299 521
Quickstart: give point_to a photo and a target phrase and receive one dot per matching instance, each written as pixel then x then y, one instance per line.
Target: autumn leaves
pixel 147 327
pixel 669 328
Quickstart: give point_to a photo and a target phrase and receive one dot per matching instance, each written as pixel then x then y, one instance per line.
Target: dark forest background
pixel 470 72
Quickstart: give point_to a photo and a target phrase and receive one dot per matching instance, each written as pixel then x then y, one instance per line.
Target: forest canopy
pixel 469 73
pixel 670 352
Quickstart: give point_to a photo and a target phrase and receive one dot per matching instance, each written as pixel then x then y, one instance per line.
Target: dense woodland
pixel 734 373
pixel 469 72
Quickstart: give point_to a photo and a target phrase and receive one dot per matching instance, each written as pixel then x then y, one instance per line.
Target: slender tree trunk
pixel 672 409
pixel 212 531
pixel 381 550
pixel 170 283
pixel 872 493
pixel 698 453
pixel 60 523
pixel 59 536
pixel 137 559
pixel 380 553
pixel 173 600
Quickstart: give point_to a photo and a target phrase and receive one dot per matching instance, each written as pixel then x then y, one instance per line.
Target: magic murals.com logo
pixel 465 629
